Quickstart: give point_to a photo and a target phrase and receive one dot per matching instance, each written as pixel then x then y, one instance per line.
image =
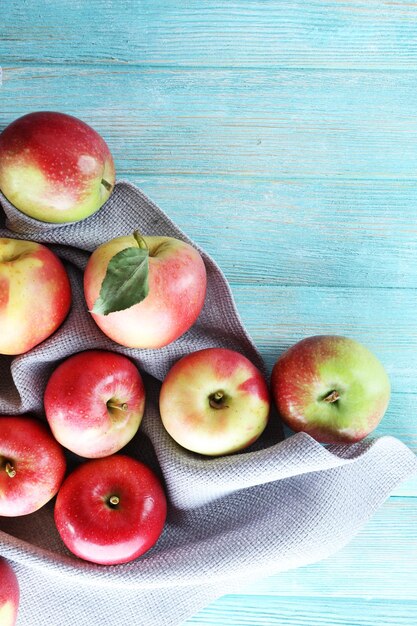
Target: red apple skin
pixel 192 416
pixel 306 375
pixel 32 465
pixel 94 402
pixel 52 167
pixel 95 530
pixel 177 288
pixel 9 594
pixel 35 294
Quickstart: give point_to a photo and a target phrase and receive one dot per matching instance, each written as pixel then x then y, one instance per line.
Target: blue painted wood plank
pixel 268 124
pixel 271 611
pixel 230 33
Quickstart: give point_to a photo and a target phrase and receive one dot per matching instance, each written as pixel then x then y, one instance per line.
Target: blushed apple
pixel 214 401
pixel 35 294
pixel 55 167
pixel 94 402
pixel 156 287
pixel 32 465
pixel 331 387
pixel 9 594
pixel 110 510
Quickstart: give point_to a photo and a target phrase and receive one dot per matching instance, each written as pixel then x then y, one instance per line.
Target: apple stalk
pixel 106 184
pixel 332 397
pixel 217 400
pixel 114 501
pixel 10 470
pixel 123 406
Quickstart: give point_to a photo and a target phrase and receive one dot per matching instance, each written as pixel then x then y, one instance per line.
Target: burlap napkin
pixel 281 504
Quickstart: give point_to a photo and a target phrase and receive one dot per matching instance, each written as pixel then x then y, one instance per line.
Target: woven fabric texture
pixel 279 505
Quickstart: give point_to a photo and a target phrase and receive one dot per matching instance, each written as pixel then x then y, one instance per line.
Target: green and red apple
pixel 9 594
pixel 35 294
pixel 331 387
pixel 94 402
pixel 145 292
pixel 55 167
pixel 214 401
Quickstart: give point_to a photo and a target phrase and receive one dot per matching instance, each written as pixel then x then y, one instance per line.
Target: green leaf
pixel 126 281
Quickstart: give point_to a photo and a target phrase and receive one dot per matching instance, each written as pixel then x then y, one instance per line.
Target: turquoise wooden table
pixel 282 137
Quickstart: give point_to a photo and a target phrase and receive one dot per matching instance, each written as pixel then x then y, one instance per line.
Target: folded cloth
pixel 280 504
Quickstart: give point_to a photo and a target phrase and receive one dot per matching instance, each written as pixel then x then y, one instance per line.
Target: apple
pixel 331 387
pixel 54 167
pixel 94 402
pixel 35 294
pixel 9 594
pixel 32 465
pixel 214 401
pixel 110 510
pixel 160 286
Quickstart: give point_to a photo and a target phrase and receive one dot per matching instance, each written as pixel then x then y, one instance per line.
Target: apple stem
pixel 140 240
pixel 10 470
pixel 114 500
pixel 217 400
pixel 120 407
pixel 332 397
pixel 106 184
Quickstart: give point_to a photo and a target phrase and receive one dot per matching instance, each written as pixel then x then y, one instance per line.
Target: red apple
pixel 94 402
pixel 177 285
pixel 9 594
pixel 110 510
pixel 54 167
pixel 331 387
pixel 32 465
pixel 35 294
pixel 214 401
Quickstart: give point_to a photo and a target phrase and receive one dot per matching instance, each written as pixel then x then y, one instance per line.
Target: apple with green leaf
pixel 94 402
pixel 145 292
pixel 9 594
pixel 214 401
pixel 331 387
pixel 55 167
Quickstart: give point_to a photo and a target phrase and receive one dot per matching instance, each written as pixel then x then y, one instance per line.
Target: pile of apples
pixel 142 292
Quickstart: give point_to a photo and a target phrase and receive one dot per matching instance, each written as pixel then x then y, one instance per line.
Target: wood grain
pixel 275 124
pixel 273 611
pixel 253 33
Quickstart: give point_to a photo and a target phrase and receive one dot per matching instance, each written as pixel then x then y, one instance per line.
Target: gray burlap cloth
pixel 281 504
